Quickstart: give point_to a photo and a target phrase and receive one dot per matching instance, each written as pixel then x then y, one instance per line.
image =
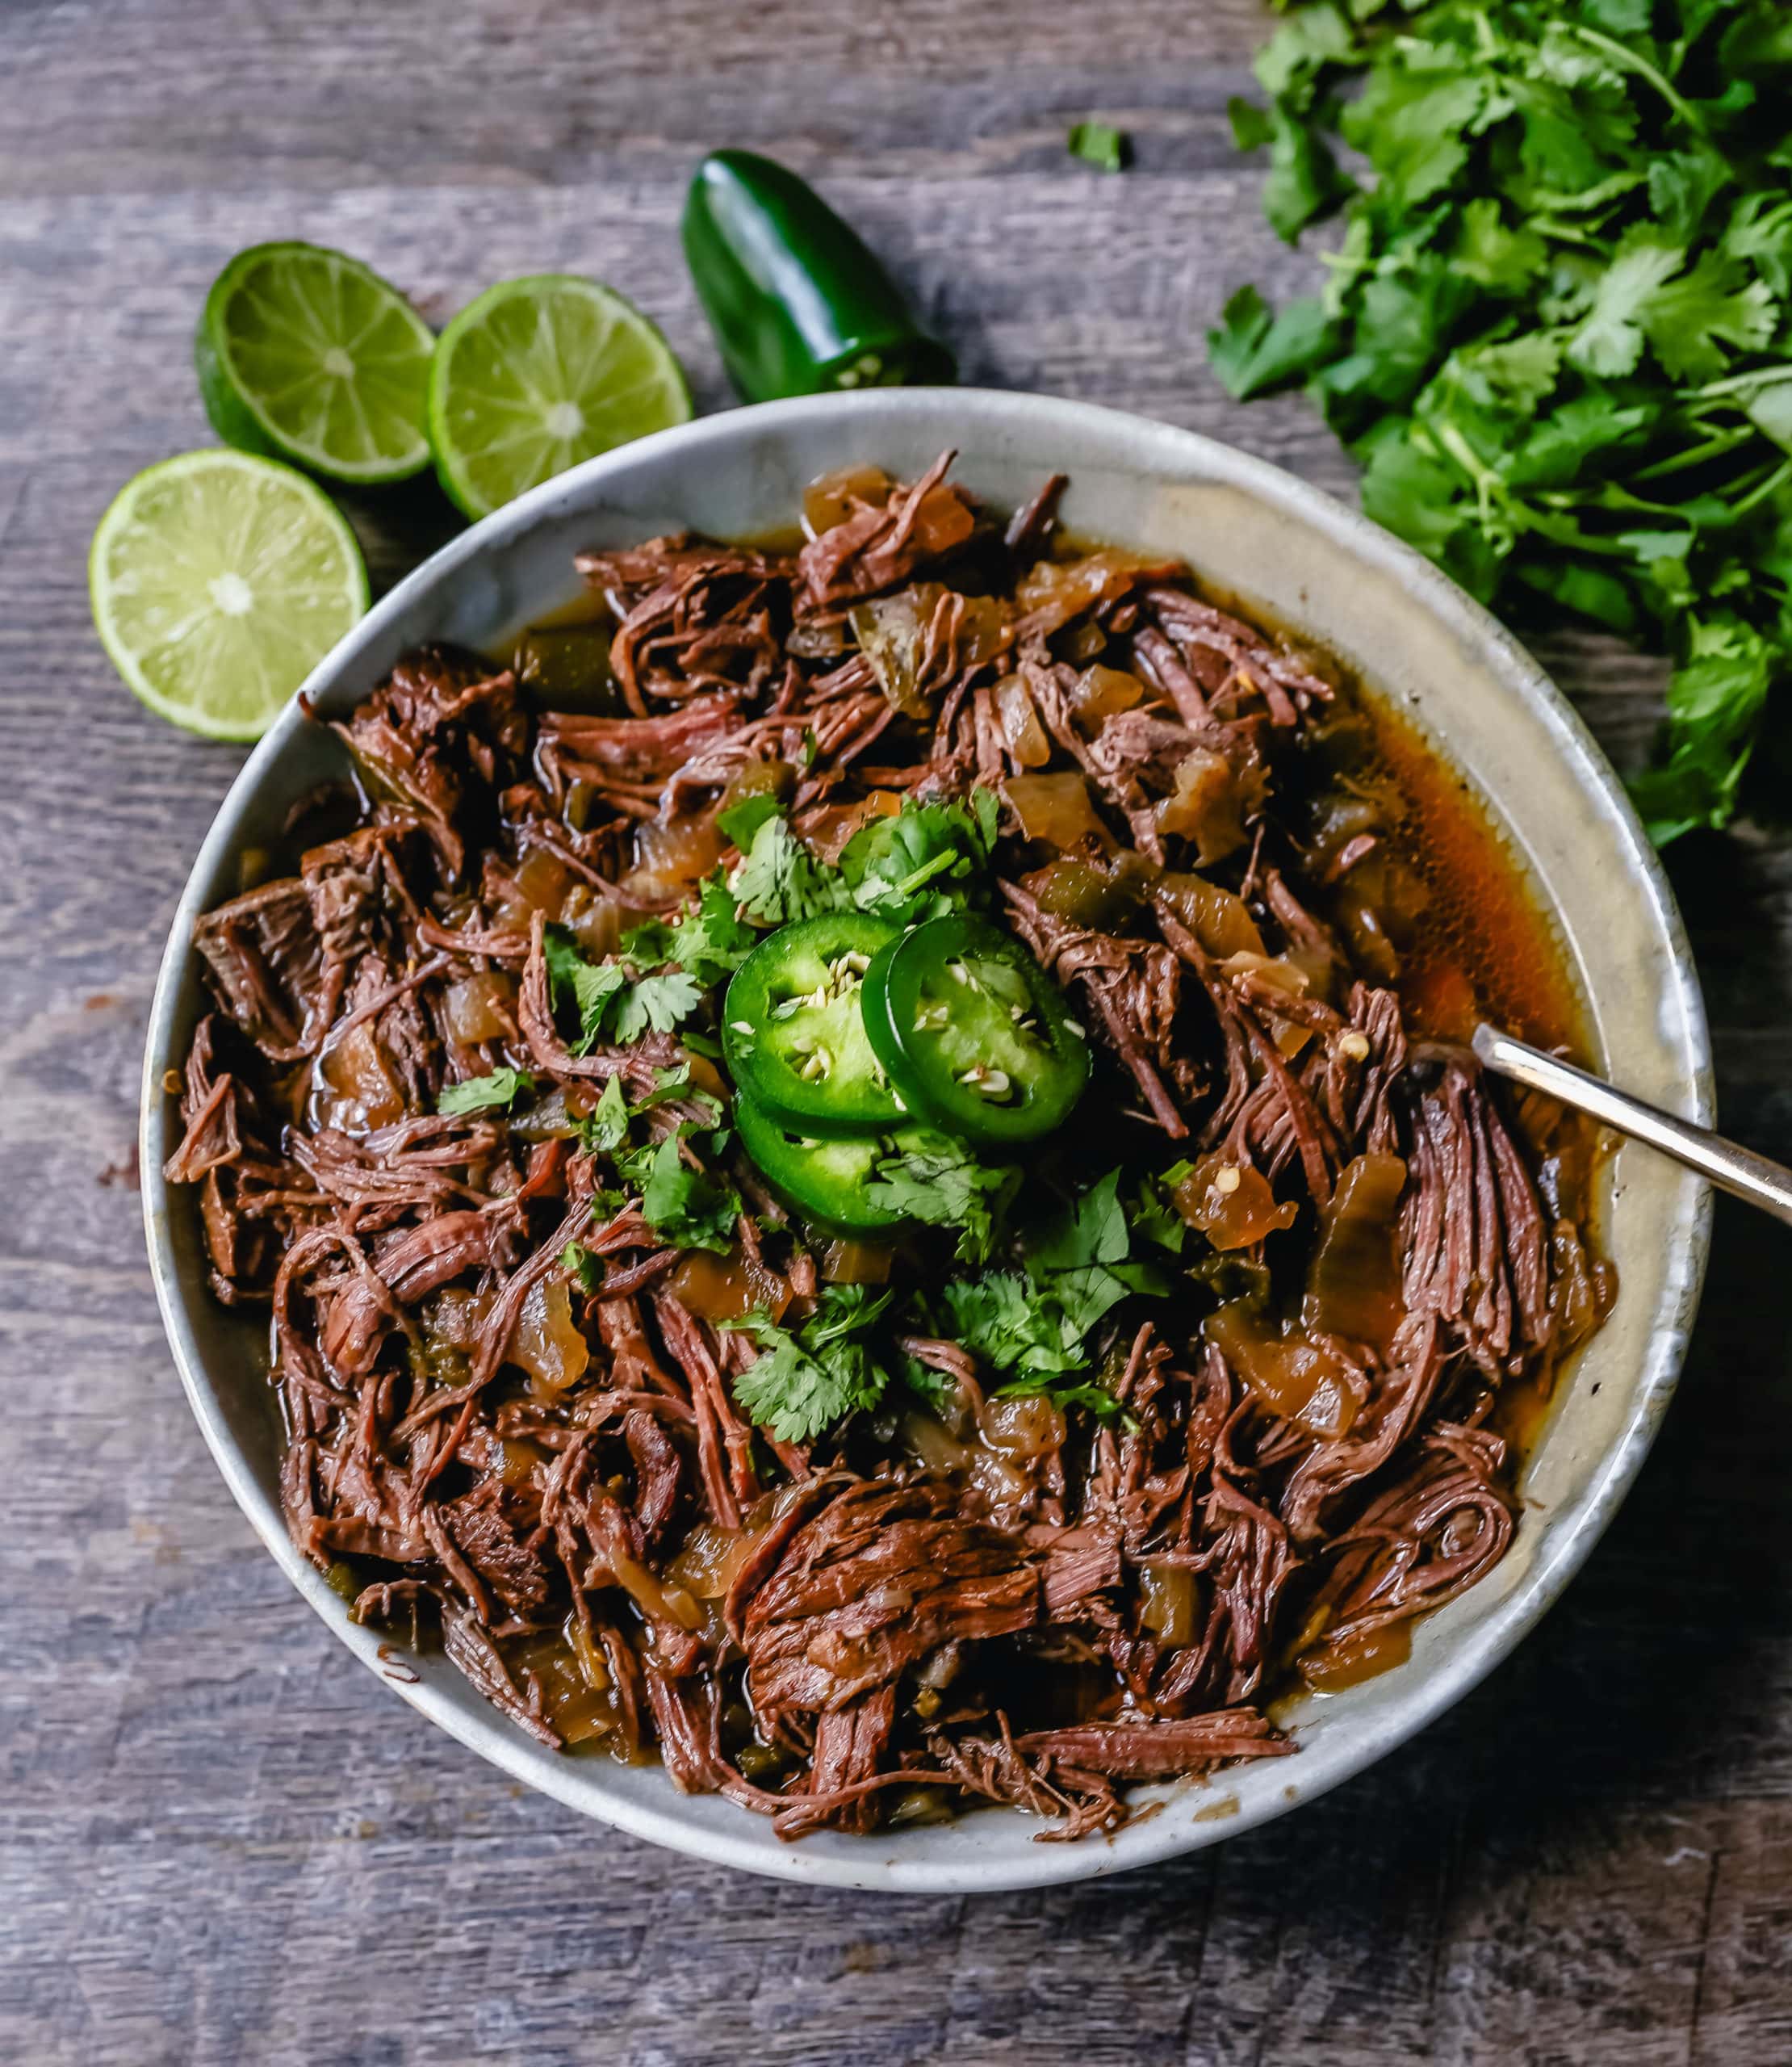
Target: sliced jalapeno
pixel 794 1036
pixel 972 1033
pixel 825 1181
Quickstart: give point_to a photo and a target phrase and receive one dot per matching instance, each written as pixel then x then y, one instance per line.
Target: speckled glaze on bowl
pixel 1314 567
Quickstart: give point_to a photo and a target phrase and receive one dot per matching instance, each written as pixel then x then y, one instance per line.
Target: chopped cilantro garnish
pixel 578 1262
pixel 779 880
pixel 613 1004
pixel 658 1002
pixel 806 1380
pixel 739 822
pixel 937 1181
pixel 1033 1324
pixel 687 1209
pixel 922 862
pixel 712 942
pixel 477 1094
pixel 607 1125
pixel 591 986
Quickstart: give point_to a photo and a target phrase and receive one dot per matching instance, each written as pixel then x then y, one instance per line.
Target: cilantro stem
pixel 1564 532
pixel 1775 480
pixel 1740 383
pixel 1562 234
pixel 1488 488
pixel 1719 442
pixel 1627 59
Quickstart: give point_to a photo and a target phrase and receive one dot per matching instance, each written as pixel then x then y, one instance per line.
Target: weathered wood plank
pixel 220 1841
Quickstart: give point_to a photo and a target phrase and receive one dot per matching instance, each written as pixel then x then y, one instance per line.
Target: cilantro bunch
pixel 1556 332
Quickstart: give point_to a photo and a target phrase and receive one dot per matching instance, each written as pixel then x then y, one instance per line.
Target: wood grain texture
pixel 220 1840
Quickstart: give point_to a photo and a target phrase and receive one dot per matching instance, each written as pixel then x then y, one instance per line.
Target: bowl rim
pixel 868 1864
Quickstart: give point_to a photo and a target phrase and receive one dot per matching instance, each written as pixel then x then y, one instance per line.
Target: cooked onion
pixel 1167 1602
pixel 670 855
pixel 1099 692
pixel 479 1007
pixel 829 499
pixel 1220 921
pixel 1353 1282
pixel 1294 1376
pixel 1019 722
pixel 1206 806
pixel 1055 809
pixel 722 1287
pixel 546 1342
pixel 1231 1202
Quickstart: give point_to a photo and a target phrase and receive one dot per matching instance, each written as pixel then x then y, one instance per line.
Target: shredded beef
pixel 510 1401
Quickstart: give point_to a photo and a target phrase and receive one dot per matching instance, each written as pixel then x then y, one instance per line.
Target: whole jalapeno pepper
pixel 798 304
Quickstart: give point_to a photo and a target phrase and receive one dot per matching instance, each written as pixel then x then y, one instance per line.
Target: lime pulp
pixel 537 375
pixel 305 354
pixel 219 580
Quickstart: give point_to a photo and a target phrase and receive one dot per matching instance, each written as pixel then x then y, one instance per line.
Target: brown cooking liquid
pixel 1485 950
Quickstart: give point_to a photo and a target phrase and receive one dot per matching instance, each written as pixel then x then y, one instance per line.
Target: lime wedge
pixel 538 374
pixel 308 355
pixel 219 582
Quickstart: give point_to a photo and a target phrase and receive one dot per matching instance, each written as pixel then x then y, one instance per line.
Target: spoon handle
pixel 1763 1183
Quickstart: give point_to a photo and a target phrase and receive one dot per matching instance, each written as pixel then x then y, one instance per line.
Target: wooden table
pixel 220 1841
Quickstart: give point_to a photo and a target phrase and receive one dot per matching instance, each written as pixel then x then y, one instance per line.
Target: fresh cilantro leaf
pixel 1154 1213
pixel 1308 39
pixel 1714 702
pixel 804 1381
pixel 607 1128
pixel 688 1209
pixel 1100 144
pixel 1501 257
pixel 1034 1325
pixel 1000 1318
pixel 1580 585
pixel 1304 181
pixel 740 821
pixel 1682 187
pixel 1515 375
pixel 1689 318
pixel 1086 1294
pixel 1254 353
pixel 936 1180
pixel 1093 1398
pixel 779 880
pixel 578 1263
pixel 1584 432
pixel 712 942
pixel 478 1094
pixel 844 1310
pixel 1414 124
pixel 591 986
pixel 648 945
pixel 923 861
pixel 657 1002
pixel 1090 1230
pixel 1554 331
pixel 932 1388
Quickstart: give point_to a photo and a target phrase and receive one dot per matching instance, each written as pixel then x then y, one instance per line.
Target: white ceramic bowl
pixel 1313 567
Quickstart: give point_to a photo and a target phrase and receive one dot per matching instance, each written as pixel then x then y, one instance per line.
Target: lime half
pixel 308 355
pixel 538 374
pixel 219 582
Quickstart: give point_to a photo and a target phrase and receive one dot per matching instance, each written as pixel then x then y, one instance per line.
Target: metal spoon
pixel 1763 1183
